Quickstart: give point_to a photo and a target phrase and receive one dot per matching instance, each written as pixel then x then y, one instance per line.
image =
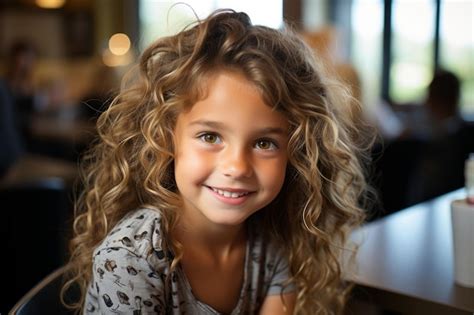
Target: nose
pixel 236 163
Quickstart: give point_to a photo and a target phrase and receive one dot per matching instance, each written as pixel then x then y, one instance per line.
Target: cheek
pixel 191 165
pixel 273 176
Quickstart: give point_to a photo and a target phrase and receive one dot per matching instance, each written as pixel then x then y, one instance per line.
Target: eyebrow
pixel 221 126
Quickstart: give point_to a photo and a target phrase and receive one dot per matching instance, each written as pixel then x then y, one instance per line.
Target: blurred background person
pixel 438 115
pixel 426 158
pixel 17 99
pixel 447 139
pixel 11 143
pixel 20 65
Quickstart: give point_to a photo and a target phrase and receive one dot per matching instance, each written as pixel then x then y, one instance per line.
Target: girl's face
pixel 230 153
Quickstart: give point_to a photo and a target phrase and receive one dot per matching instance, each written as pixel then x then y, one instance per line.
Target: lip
pixel 235 201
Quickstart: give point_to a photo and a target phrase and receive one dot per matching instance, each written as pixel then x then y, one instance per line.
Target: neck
pixel 217 242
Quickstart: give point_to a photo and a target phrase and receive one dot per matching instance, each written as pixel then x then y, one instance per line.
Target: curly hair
pixel 131 165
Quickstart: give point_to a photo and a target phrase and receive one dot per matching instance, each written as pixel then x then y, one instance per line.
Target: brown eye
pixel 210 138
pixel 266 145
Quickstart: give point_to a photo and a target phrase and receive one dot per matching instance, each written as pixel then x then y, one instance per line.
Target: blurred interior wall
pixel 72 31
pixel 115 16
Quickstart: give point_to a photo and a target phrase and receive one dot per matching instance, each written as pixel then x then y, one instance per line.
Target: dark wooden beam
pixel 292 13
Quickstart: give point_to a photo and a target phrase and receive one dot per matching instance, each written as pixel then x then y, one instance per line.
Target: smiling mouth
pixel 229 194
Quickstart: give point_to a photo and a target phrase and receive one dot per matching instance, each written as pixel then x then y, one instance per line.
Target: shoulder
pixel 280 290
pixel 139 234
pixel 129 267
pixel 270 258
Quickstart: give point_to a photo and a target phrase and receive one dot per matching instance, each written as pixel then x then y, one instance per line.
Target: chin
pixel 228 220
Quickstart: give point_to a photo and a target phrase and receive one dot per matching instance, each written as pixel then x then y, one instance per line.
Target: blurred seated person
pixel 448 140
pixel 439 115
pixel 426 158
pixel 20 64
pixel 11 143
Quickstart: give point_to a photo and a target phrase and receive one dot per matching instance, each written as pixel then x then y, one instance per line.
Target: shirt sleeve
pixel 124 283
pixel 280 276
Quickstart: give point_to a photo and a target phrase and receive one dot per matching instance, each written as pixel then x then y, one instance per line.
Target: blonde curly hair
pixel 131 165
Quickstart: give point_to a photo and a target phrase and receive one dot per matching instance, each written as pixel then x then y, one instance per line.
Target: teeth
pixel 229 194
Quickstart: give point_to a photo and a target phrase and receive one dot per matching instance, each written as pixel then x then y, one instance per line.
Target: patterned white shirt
pixel 131 267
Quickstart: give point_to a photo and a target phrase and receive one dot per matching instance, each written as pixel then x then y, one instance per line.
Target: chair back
pixel 35 224
pixel 44 298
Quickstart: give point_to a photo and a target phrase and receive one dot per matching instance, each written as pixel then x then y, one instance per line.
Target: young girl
pixel 225 180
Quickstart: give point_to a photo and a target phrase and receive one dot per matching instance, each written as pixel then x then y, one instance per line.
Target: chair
pixel 34 227
pixel 44 298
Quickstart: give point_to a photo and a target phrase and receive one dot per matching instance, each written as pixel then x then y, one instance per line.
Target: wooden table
pixel 405 262
pixel 30 168
pixel 61 129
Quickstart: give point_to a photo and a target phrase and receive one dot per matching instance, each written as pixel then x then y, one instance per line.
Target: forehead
pixel 231 98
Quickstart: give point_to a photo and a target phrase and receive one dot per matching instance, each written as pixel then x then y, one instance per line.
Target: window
pixel 412 65
pixel 417 41
pixel 457 46
pixel 367 24
pixel 162 18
